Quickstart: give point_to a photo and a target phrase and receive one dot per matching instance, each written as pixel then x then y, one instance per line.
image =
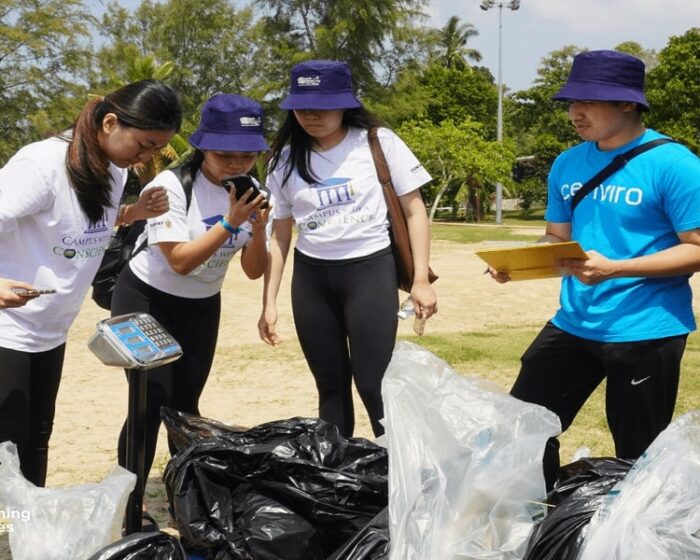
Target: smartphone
pixel 33 291
pixel 242 184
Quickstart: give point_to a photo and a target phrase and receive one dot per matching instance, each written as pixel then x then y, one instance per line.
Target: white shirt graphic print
pixel 343 214
pixel 209 203
pixel 48 241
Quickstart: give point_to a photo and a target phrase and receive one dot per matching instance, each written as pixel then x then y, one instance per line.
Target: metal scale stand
pixel 136 342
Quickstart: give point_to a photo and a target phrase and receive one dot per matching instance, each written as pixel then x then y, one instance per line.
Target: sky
pixel 542 26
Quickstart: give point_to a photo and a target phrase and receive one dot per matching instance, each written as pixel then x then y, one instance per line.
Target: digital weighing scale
pixel 136 342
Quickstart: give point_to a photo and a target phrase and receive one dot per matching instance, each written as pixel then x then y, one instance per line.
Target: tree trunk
pixel 436 202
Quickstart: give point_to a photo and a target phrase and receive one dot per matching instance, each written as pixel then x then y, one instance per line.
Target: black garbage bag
pixel 285 490
pixel 142 546
pixel 185 429
pixel 261 528
pixel 371 543
pixel 576 496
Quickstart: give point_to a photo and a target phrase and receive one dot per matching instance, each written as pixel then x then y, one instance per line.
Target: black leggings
pixel 560 371
pixel 345 317
pixel 194 323
pixel 28 387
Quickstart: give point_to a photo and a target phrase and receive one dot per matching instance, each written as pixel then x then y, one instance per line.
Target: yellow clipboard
pixel 532 261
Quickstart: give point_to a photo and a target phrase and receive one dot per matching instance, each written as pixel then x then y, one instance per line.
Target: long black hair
pixel 300 142
pixel 146 105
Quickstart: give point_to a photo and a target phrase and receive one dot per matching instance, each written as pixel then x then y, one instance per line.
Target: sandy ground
pixel 92 400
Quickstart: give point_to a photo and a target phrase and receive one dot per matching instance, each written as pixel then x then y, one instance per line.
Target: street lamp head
pixel 487 4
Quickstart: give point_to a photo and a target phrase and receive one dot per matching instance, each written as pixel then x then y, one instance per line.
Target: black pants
pixel 194 323
pixel 345 317
pixel 560 371
pixel 28 387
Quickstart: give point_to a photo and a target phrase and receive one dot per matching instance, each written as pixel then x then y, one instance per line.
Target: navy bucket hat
pixel 321 84
pixel 230 123
pixel 605 76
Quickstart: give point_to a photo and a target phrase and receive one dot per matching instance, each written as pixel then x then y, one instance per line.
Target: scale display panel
pixel 134 340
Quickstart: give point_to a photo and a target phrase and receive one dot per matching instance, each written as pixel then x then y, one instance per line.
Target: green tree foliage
pixel 464 165
pixel 541 126
pixel 210 43
pixel 649 56
pixel 417 78
pixel 673 90
pixel 531 185
pixel 437 93
pixel 43 51
pixel 458 94
pixel 372 36
pixel 533 111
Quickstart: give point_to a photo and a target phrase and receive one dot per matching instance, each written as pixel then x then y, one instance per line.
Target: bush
pixel 530 192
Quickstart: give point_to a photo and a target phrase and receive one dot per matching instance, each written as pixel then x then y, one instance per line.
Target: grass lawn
pixel 470 233
pixel 529 217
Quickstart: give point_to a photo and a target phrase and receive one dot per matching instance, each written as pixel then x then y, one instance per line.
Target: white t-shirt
pixel 343 215
pixel 46 240
pixel 209 203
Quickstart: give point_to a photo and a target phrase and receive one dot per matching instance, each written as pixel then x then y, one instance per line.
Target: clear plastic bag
pixel 465 462
pixel 60 523
pixel 654 512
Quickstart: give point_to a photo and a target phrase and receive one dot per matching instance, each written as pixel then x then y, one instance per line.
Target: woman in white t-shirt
pixel 177 279
pixel 59 200
pixel 344 288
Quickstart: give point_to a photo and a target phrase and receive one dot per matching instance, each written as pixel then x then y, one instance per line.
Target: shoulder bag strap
pixel 397 219
pixel 401 242
pixel 618 162
pixel 378 156
pixel 186 177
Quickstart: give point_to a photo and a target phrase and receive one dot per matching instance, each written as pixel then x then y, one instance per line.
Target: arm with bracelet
pixel 186 256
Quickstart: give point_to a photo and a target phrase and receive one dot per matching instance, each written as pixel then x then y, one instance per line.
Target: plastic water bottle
pixel 407 308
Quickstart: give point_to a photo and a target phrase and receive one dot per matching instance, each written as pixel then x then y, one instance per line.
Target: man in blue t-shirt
pixel 625 312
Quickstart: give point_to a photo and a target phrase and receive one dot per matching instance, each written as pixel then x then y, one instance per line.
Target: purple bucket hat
pixel 605 76
pixel 230 123
pixel 321 84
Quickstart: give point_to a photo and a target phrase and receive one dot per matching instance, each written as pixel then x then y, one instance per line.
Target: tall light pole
pixel 512 5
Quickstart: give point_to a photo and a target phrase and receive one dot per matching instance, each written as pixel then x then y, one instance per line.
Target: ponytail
pixel 88 169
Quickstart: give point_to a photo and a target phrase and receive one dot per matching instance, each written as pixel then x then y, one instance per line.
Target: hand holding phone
pixel 241 185
pixel 31 292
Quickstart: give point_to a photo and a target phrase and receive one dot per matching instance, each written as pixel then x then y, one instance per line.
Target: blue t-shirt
pixel 636 211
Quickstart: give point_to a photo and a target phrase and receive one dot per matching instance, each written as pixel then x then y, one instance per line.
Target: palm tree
pixel 453 40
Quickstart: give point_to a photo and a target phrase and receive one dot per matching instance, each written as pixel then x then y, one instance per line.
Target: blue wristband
pixel 228 227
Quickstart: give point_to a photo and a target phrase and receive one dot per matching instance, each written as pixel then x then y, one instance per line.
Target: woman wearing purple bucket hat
pixel 344 287
pixel 626 310
pixel 178 277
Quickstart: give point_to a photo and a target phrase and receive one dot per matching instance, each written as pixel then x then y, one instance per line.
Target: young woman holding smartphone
pixel 59 200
